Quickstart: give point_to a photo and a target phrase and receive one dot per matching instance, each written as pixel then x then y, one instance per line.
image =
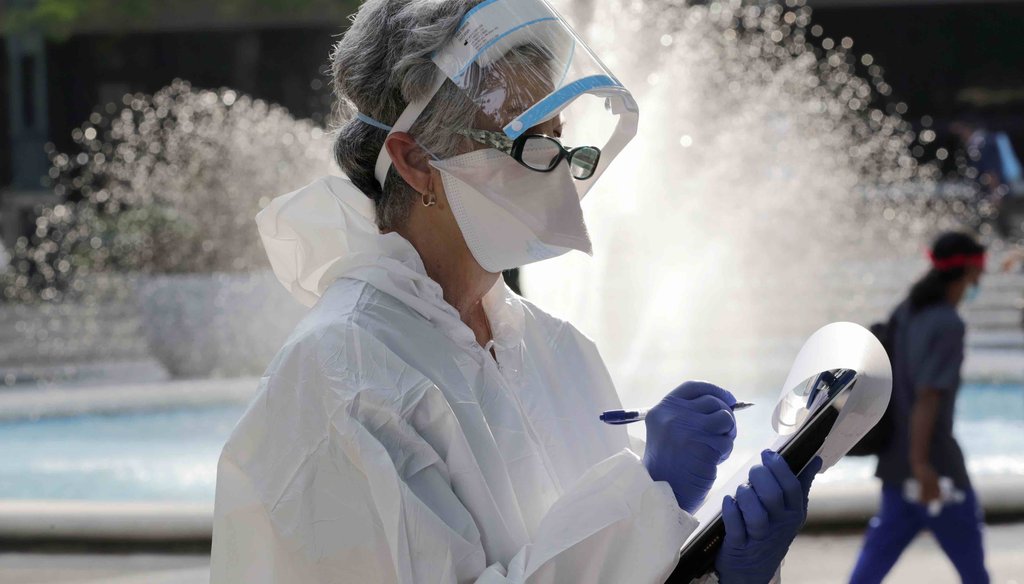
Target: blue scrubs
pixel 957 528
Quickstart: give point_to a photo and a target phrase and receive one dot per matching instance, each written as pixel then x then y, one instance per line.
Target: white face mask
pixel 510 215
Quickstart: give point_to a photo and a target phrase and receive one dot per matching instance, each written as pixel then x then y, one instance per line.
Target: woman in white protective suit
pixel 424 424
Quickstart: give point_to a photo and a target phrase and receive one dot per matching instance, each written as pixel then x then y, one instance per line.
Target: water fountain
pixel 771 189
pixel 771 186
pixel 158 227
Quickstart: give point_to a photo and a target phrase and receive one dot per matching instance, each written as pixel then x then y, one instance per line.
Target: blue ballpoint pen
pixel 618 417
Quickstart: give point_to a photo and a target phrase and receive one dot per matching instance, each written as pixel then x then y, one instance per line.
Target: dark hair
pixel 932 287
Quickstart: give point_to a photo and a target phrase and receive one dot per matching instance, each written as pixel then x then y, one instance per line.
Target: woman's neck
pixel 465 293
pixel 463 289
pixel 464 284
pixel 448 261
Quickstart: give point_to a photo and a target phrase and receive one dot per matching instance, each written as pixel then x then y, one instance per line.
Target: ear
pixel 409 160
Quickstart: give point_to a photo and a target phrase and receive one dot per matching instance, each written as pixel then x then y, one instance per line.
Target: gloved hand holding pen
pixel 689 433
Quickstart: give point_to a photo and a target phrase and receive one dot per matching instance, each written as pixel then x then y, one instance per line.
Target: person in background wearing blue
pixel 924 479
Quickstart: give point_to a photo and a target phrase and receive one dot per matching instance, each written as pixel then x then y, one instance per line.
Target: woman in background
pixel 924 478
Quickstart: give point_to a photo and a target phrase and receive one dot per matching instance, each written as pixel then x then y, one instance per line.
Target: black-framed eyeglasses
pixel 539 152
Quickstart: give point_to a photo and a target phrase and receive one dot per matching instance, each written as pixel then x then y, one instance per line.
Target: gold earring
pixel 428 199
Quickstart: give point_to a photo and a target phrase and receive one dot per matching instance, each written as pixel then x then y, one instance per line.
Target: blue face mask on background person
pixel 972 293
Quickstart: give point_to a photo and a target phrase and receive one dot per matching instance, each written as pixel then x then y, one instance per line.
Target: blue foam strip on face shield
pixel 543 109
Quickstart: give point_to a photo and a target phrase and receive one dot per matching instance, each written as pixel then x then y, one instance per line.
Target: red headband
pixel 963 260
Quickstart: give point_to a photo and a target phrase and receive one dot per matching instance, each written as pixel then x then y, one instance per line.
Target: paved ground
pixel 81 568
pixel 826 559
pixel 814 559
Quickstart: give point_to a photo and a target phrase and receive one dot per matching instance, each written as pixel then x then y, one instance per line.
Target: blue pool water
pixel 172 455
pixel 155 456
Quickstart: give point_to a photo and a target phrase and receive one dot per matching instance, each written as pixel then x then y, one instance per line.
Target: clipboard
pixel 831 389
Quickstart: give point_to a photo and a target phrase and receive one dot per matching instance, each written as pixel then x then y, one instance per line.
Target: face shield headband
pixel 514 97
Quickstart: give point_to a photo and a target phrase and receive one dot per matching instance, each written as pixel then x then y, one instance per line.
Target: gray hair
pixel 379 66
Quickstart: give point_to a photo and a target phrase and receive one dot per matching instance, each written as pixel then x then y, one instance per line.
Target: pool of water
pixel 172 455
pixel 166 455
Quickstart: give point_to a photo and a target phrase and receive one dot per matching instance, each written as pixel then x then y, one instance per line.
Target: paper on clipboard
pixel 840 345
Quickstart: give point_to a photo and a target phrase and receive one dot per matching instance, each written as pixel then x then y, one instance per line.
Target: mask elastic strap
pixel 403 124
pixel 372 122
pixel 427 150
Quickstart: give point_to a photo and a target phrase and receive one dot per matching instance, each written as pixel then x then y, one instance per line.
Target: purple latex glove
pixel 763 519
pixel 689 433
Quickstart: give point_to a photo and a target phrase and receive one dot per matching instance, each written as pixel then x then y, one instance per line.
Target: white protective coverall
pixel 386 445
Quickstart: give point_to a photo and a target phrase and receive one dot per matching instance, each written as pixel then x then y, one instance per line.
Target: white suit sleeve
pixel 614 525
pixel 346 510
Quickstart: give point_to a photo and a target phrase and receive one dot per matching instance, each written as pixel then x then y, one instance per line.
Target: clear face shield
pixel 542 96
